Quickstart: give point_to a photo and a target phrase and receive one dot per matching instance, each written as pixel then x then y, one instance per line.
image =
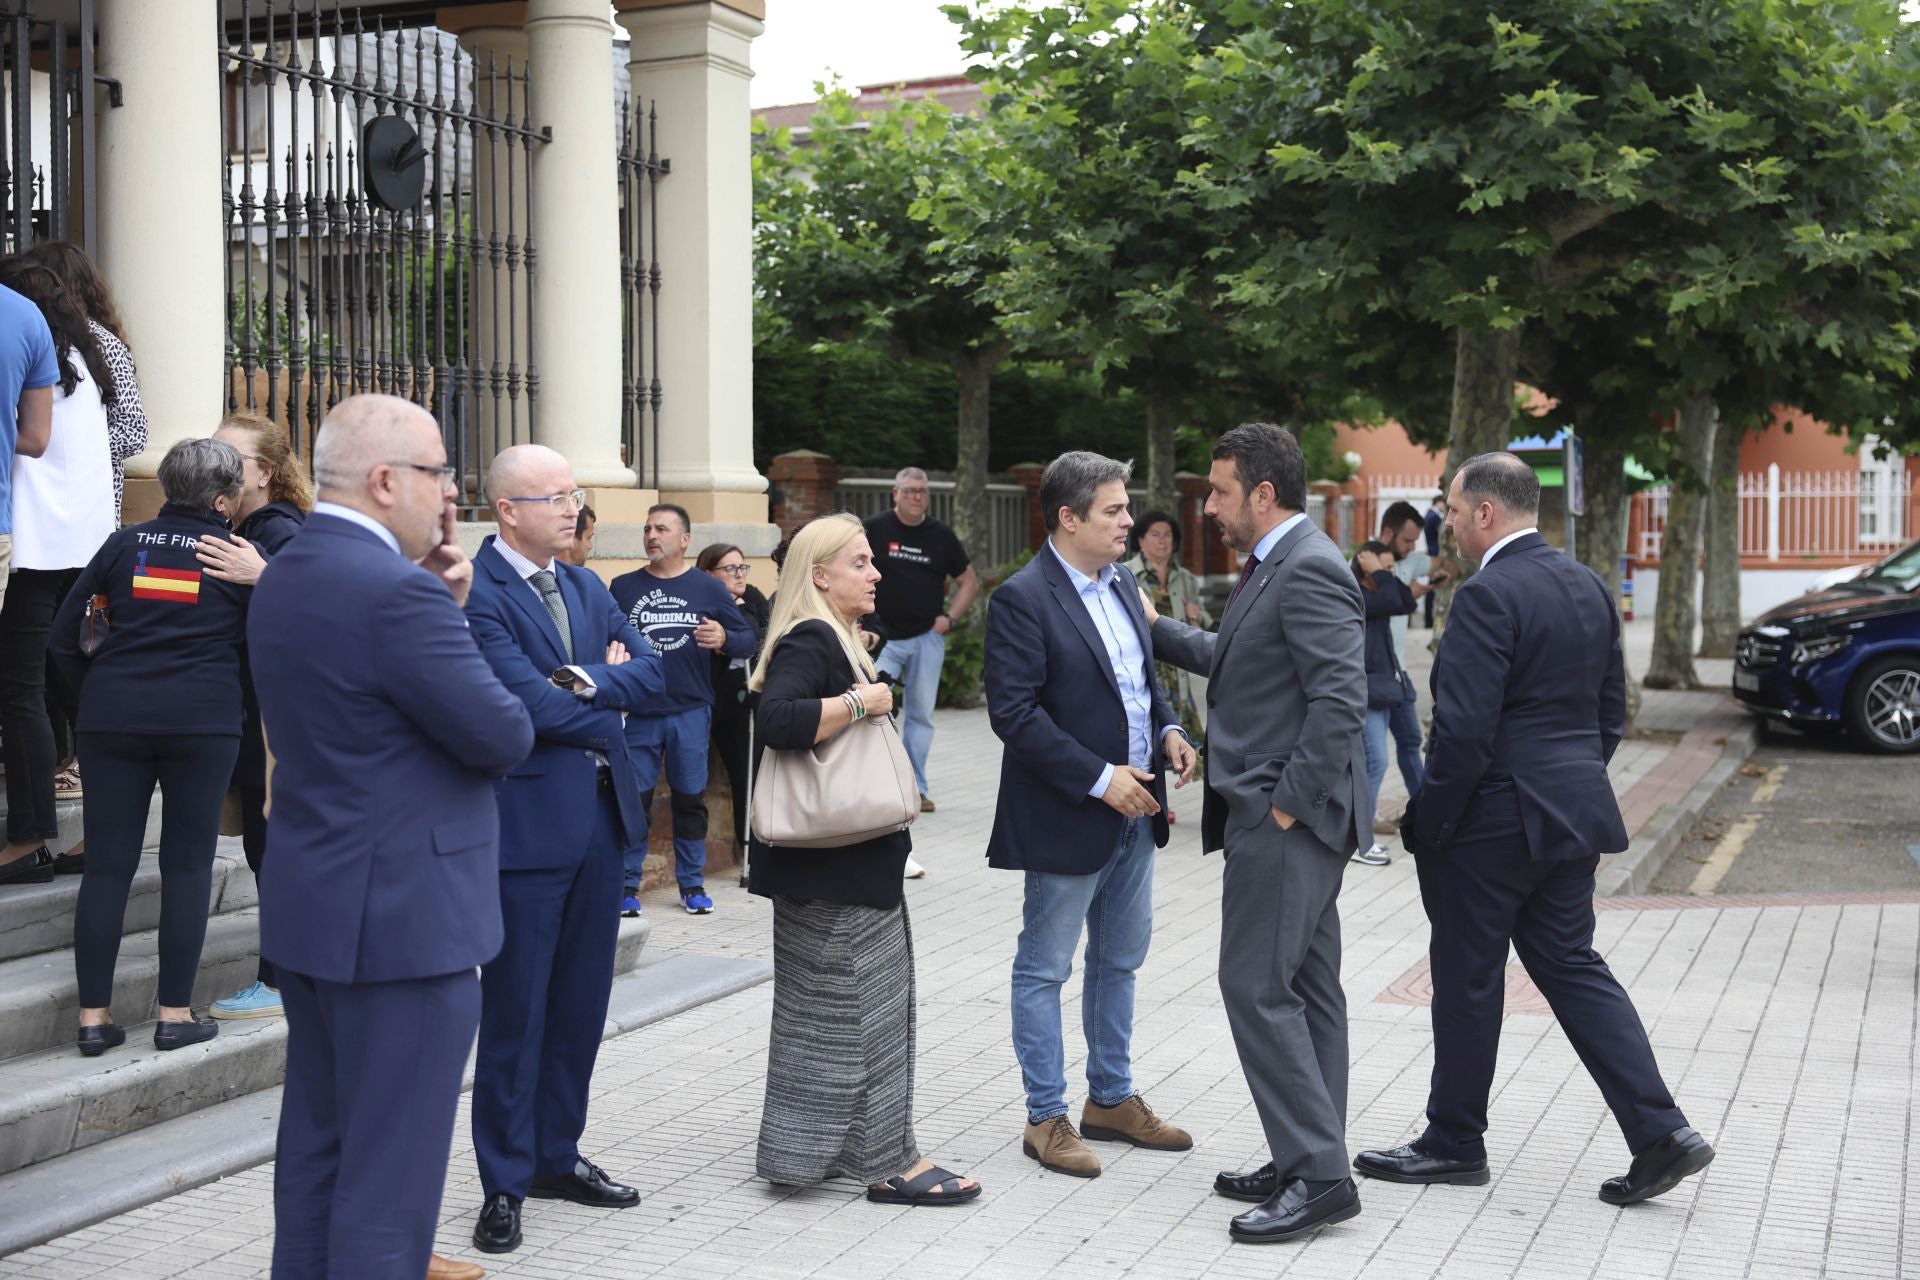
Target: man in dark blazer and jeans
pixel 1087 733
pixel 1287 799
pixel 1529 703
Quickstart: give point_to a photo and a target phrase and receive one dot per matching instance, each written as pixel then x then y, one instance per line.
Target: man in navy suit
pixel 556 639
pixel 1529 703
pixel 381 895
pixel 1071 693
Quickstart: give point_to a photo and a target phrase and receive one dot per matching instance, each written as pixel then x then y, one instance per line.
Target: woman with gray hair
pixel 152 646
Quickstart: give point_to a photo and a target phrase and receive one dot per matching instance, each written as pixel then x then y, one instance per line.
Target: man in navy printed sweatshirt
pixel 685 614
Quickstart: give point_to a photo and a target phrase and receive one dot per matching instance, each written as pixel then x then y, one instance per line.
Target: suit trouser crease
pixel 543 1011
pixel 677 745
pixel 366 1122
pixel 1546 908
pixel 916 663
pixel 1116 906
pixel 121 770
pixel 1280 980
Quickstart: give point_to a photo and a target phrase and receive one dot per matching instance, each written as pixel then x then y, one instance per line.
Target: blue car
pixel 1845 657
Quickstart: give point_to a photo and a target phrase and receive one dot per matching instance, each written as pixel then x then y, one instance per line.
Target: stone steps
pixel 54 1101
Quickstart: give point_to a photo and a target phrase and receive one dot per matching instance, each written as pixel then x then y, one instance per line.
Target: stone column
pixel 806 482
pixel 161 223
pixel 691 59
pixel 575 198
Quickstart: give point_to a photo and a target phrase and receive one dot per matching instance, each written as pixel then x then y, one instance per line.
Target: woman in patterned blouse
pixel 126 417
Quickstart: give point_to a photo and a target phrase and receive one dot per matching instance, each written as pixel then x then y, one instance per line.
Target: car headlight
pixel 1815 648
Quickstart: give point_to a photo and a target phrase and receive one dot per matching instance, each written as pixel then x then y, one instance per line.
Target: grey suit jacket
pixel 1286 697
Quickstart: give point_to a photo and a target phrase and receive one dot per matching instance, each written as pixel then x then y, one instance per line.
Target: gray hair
pixel 1503 479
pixel 1071 481
pixel 505 473
pixel 357 435
pixel 905 474
pixel 196 471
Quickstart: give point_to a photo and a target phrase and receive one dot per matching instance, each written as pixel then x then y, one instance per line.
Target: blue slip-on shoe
pixel 696 901
pixel 630 906
pixel 256 1001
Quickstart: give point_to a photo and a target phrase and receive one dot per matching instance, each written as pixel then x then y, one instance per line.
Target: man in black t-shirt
pixel 917 556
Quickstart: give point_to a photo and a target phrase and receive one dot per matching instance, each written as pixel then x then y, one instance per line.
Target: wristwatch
pixel 563 678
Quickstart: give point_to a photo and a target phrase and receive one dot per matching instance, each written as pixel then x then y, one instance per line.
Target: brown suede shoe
pixel 1132 1121
pixel 439 1268
pixel 1057 1147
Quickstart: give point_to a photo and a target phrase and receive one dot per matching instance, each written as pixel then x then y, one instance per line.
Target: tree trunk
pixel 1677 608
pixel 1484 365
pixel 973 368
pixel 1162 493
pixel 1602 540
pixel 1720 585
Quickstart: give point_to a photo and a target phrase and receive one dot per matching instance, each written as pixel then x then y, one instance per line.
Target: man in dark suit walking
pixel 1071 692
pixel 1529 703
pixel 381 895
pixel 1287 799
pixel 556 639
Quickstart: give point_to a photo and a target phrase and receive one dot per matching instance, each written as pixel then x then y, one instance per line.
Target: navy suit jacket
pixel 547 801
pixel 1055 706
pixel 1529 703
pixel 387 728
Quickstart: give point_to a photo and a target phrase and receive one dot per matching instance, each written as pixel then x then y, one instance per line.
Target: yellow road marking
pixel 1721 861
pixel 1766 791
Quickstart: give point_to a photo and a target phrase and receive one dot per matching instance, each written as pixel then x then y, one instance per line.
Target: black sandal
pixel 935 1186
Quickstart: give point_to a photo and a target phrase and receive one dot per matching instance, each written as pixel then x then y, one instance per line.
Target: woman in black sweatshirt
pixel 159 699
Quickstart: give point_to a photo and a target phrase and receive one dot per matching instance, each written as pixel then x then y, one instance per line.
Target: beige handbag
pixel 855 786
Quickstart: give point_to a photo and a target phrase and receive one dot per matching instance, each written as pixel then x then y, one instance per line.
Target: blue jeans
pixel 1116 903
pixel 679 741
pixel 916 664
pixel 1404 720
pixel 1373 733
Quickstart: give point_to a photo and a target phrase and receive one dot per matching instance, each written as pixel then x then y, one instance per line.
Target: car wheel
pixel 1883 705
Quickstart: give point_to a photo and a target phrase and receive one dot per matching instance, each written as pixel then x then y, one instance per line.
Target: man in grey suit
pixel 1286 797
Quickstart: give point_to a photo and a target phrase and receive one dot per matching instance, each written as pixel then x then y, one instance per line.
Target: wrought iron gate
pixel 641 167
pixel 378 226
pixel 47 166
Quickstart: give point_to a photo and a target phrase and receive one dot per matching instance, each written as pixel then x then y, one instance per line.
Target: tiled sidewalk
pixel 1786 1029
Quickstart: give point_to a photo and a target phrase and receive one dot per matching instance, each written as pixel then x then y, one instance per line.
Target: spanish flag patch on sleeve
pixel 182 585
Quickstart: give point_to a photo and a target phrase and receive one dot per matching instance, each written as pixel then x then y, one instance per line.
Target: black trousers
pixel 1478 897
pixel 121 769
pixel 253 839
pixel 26 621
pixel 731 721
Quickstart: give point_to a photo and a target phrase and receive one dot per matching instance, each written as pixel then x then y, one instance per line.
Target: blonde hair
pixel 272 445
pixel 798 600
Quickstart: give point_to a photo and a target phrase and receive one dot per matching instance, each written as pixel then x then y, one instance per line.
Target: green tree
pixel 845 252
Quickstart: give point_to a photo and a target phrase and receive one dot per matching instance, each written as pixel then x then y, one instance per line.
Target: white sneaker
pixel 1377 856
pixel 914 870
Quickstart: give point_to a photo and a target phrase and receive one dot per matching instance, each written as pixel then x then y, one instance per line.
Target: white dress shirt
pixel 1496 548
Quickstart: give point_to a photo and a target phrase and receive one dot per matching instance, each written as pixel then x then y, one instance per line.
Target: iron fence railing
pixel 380 238
pixel 641 167
pixel 47 165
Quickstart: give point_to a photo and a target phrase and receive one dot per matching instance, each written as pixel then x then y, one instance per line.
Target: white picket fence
pixel 1794 515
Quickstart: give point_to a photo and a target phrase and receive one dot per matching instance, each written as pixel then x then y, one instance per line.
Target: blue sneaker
pixel 256 1001
pixel 696 901
pixel 630 906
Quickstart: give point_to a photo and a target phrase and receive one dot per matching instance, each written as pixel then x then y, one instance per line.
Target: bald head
pixel 530 487
pixel 379 455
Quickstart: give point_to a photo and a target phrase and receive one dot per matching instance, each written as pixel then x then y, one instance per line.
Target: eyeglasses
pixel 731 570
pixel 443 474
pixel 559 501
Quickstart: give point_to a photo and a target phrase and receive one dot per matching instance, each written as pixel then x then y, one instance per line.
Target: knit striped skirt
pixel 840 1062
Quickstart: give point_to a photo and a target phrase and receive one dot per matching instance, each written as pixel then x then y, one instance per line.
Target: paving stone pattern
pixel 1786 1027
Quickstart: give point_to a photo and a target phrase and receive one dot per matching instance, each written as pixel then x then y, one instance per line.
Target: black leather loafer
pixel 35 868
pixel 498 1230
pixel 1411 1164
pixel 95 1041
pixel 1294 1211
pixel 178 1035
pixel 1660 1168
pixel 1256 1186
pixel 587 1184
